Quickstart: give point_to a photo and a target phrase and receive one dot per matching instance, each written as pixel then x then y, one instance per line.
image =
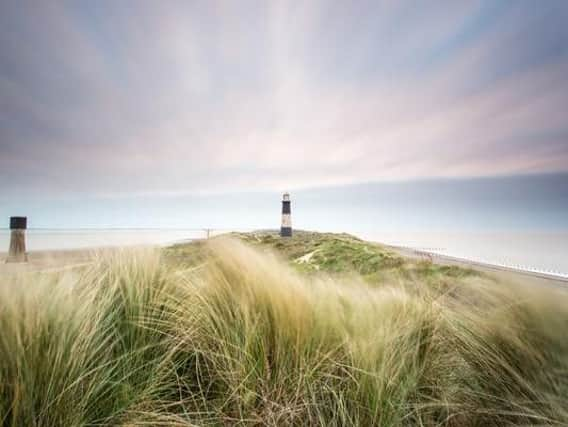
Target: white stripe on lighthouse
pixel 286 220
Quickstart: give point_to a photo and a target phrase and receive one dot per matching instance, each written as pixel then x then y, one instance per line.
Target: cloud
pixel 212 96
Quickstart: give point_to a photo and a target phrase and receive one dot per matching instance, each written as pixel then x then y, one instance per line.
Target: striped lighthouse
pixel 286 228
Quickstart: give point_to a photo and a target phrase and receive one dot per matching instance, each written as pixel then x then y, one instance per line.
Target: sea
pixel 59 239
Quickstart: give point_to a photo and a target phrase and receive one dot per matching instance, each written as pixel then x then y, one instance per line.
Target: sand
pixel 54 260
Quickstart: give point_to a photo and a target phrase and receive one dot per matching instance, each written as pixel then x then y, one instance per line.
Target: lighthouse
pixel 286 228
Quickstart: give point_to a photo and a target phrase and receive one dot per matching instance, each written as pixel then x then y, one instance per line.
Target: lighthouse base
pixel 286 231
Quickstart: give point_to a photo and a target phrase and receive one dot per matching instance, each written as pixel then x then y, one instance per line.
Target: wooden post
pixel 17 252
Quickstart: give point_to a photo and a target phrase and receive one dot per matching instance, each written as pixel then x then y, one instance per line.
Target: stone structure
pixel 17 252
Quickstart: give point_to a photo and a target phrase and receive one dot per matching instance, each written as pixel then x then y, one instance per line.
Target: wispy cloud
pixel 214 96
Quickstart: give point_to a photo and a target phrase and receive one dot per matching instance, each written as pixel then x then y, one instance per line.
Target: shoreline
pixel 49 260
pixel 64 259
pixel 503 272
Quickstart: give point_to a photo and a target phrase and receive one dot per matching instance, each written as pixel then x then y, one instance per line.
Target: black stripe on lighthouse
pixel 286 227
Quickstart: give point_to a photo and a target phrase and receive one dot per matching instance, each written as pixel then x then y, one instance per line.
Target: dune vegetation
pixel 319 329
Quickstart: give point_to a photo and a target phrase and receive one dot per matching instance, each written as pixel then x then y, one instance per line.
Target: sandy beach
pixel 49 260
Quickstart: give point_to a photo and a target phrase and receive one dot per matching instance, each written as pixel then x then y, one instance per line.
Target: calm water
pixel 541 251
pixel 38 240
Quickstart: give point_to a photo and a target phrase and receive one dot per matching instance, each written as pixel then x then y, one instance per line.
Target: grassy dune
pixel 319 329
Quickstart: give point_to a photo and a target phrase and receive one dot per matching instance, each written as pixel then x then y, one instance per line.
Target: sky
pixel 107 107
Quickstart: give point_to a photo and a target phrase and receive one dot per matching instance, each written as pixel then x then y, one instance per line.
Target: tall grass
pixel 241 339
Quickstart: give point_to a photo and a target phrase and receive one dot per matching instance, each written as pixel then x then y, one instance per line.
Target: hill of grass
pixel 319 329
pixel 345 254
pixel 338 255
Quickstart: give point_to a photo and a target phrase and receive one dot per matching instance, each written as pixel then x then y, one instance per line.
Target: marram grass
pixel 237 337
